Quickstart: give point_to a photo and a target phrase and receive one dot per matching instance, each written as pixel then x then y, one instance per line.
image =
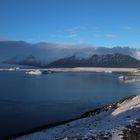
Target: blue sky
pixel 96 22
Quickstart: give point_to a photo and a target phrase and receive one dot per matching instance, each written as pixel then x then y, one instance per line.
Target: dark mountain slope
pixel 108 60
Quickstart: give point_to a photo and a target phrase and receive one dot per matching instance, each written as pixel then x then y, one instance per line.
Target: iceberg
pixel 34 72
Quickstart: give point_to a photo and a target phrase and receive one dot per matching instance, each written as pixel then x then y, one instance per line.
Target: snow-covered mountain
pixel 49 52
pixel 116 121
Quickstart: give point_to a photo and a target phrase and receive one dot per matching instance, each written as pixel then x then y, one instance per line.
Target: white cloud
pixel 136 54
pixel 72 36
pixel 126 28
pixel 110 35
pixel 74 29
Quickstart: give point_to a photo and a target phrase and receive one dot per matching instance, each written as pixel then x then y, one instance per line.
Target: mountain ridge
pixel 46 53
pixel 107 60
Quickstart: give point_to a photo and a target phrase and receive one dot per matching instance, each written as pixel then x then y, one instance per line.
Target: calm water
pixel 28 101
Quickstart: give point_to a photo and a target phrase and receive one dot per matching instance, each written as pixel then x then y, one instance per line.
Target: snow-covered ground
pixel 110 123
pixel 77 69
pixel 93 69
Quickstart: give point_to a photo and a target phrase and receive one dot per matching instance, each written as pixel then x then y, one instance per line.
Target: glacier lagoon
pixel 28 101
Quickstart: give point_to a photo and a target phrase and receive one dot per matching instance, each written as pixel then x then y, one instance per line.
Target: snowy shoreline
pixel 76 69
pixel 109 120
pixel 93 69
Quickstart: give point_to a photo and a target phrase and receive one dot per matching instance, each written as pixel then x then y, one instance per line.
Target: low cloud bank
pixel 48 52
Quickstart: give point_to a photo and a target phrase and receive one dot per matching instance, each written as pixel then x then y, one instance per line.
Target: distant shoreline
pixel 93 69
pixel 79 69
